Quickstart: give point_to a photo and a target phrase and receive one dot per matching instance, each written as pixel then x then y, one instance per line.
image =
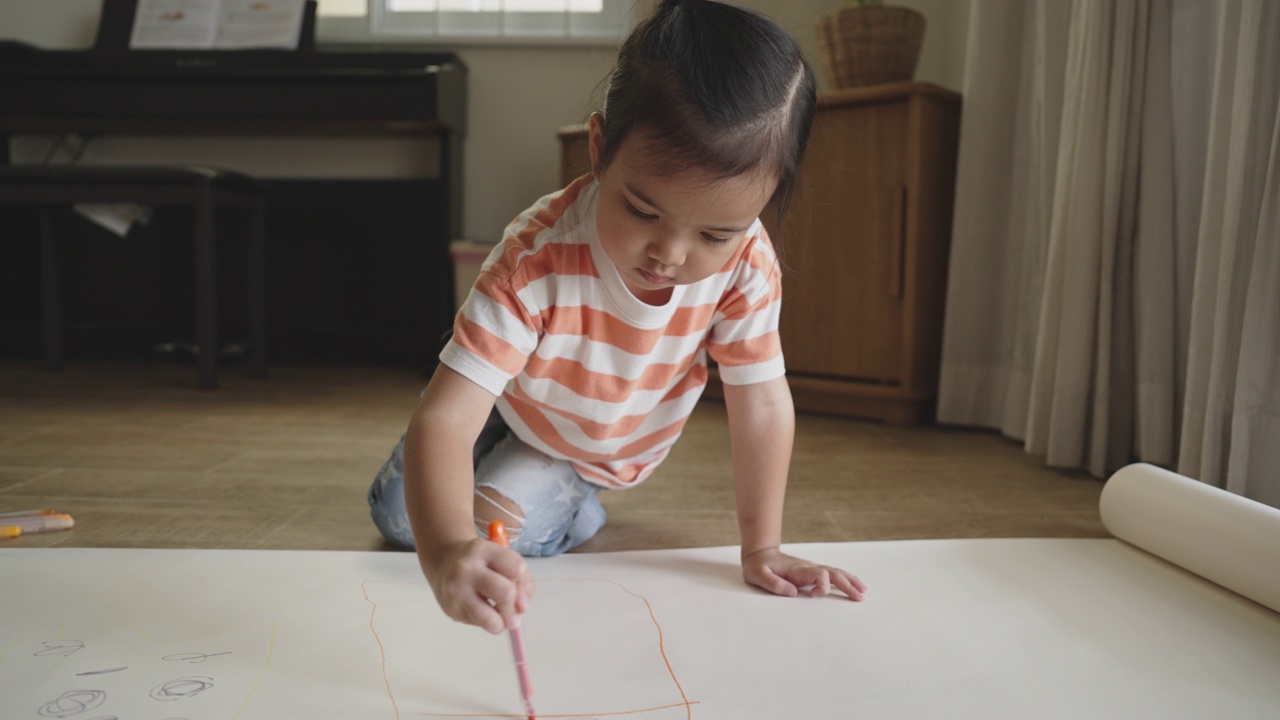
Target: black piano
pixel 357 268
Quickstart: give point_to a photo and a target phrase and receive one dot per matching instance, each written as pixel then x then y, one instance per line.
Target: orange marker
pixel 498 534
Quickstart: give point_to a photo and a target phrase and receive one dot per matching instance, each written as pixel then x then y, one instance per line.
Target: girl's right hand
pixel 481 583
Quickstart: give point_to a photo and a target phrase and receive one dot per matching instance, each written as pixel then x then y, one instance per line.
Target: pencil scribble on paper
pixel 83 677
pixel 59 647
pixel 193 658
pixel 104 671
pixel 72 702
pixel 181 688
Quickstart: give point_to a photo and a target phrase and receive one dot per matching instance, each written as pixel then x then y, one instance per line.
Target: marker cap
pixel 10 531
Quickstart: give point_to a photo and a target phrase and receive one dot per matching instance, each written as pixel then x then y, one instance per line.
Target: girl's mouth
pixel 654 279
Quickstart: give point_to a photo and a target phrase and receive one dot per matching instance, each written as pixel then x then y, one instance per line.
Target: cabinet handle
pixel 898 248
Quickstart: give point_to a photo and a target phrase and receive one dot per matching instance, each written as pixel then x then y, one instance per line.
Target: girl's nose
pixel 668 251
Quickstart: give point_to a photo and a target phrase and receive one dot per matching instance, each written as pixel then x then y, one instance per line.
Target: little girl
pixel 582 348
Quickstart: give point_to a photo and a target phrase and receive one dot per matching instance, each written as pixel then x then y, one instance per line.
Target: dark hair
pixel 718 88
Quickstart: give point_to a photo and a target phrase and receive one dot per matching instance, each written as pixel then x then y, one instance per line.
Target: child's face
pixel 672 230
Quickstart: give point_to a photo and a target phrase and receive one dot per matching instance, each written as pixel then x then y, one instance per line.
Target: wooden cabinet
pixel 865 245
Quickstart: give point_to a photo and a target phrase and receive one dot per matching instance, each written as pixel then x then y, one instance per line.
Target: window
pixel 602 22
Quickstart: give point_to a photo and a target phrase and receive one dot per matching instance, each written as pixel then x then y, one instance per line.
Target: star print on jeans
pixel 567 492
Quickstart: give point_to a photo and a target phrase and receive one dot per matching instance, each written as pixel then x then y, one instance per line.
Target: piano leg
pixel 257 288
pixel 50 306
pixel 206 289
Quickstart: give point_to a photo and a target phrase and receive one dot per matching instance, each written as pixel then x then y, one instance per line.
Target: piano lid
pixel 343 91
pixel 335 89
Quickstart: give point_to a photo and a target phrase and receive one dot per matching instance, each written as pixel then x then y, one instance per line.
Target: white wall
pixel 518 98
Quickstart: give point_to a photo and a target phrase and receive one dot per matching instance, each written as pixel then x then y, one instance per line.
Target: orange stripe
pixel 746 352
pixel 486 345
pixel 538 423
pixel 516 269
pixel 548 216
pixel 623 426
pixel 604 327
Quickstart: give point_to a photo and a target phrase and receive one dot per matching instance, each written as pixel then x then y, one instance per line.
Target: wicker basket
pixel 870 45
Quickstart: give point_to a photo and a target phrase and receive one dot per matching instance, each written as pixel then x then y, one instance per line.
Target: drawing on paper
pixel 119 669
pixel 596 651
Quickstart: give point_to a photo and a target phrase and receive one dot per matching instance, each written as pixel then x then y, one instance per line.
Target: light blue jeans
pixel 561 510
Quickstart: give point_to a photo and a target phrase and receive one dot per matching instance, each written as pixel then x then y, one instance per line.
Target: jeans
pixel 561 510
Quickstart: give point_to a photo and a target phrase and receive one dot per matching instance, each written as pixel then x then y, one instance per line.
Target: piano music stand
pixel 203 189
pixel 115 26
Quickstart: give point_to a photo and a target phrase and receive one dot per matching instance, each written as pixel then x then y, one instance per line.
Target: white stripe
pixel 756 373
pixel 497 319
pixel 474 368
pixel 761 322
pixel 555 394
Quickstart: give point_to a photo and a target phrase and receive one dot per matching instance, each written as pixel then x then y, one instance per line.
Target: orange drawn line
pixel 577 715
pixel 662 649
pixel 364 588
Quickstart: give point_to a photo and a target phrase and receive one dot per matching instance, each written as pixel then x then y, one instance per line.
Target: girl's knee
pixel 492 505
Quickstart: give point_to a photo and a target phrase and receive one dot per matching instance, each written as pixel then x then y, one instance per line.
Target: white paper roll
pixel 1220 536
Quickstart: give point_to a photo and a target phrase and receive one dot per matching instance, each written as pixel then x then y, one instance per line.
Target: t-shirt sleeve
pixel 495 331
pixel 744 339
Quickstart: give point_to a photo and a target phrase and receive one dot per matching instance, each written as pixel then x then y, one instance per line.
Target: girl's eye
pixel 636 211
pixel 715 240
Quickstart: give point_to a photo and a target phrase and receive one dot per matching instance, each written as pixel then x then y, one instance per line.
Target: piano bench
pixel 203 189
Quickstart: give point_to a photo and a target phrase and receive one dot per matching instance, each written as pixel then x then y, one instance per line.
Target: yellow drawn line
pixel 271 648
pixel 685 705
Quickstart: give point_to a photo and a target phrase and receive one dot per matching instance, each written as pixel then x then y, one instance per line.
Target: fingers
pixel 782 574
pixel 487 586
pixel 849 585
pixel 821 579
pixel 779 585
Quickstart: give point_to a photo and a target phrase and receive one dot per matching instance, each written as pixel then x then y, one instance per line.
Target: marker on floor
pixel 42 523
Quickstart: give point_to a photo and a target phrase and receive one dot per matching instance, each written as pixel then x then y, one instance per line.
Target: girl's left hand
pixel 782 574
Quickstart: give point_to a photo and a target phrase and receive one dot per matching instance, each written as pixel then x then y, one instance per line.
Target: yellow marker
pixel 9 531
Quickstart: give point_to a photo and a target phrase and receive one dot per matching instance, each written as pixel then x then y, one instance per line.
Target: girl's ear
pixel 595 141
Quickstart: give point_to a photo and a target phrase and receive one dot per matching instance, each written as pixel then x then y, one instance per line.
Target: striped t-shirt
pixel 586 372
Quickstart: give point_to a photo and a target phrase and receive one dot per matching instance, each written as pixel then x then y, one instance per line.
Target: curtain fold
pixel 1113 283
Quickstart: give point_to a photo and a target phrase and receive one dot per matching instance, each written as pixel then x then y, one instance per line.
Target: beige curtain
pixel 1114 290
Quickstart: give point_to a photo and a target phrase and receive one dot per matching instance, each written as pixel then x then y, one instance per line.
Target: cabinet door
pixel 842 306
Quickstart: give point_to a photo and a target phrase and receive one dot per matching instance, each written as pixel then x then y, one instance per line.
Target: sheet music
pixel 223 24
pixel 174 24
pixel 260 24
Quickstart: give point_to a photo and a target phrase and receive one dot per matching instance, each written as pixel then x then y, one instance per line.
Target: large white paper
pixel 986 629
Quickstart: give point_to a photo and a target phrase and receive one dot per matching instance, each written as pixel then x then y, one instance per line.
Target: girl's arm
pixel 465 571
pixel 761 431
